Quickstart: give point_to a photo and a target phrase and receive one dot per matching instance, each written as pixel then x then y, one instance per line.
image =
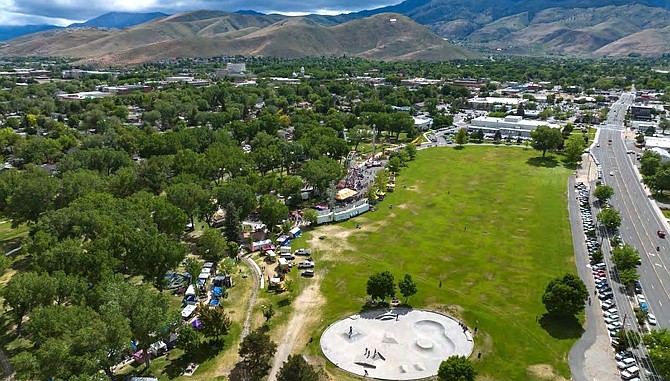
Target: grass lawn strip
pixel 490 224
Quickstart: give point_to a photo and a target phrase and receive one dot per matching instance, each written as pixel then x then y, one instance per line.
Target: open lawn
pixel 487 224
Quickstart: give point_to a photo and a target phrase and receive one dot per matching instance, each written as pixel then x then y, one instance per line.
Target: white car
pixel 651 319
pixel 641 298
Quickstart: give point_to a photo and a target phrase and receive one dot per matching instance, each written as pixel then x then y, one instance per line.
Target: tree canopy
pixel 545 138
pixel 565 295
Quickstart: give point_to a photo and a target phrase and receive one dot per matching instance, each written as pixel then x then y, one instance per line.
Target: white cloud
pixel 17 12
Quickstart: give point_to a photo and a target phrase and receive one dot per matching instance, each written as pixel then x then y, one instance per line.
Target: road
pixel 640 220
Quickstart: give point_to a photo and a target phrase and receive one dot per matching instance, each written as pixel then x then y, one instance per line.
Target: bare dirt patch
pixel 332 240
pixel 306 313
pixel 545 372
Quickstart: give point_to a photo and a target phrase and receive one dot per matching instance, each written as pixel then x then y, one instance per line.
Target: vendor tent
pixel 345 193
pixel 190 290
pixel 187 311
pixel 295 232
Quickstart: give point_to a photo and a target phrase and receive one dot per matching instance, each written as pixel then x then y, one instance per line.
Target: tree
pixel 320 173
pixel 189 339
pixel 188 197
pixel 33 194
pixel 497 136
pixel 193 268
pixel 545 138
pixel 574 148
pixel 661 180
pixel 411 151
pixel 649 163
pixel 394 164
pixel 357 134
pixel 407 287
pixel 272 212
pixel 603 192
pixel 520 111
pixel 461 136
pixel 565 296
pixel 664 124
pixel 150 314
pixel 628 277
pixel 456 368
pixel 310 216
pixel 268 312
pixel 658 345
pixel 215 322
pixel 240 194
pixel 610 218
pixel 381 285
pixel 212 245
pixel 598 256
pixel 25 292
pixel 232 228
pixel 625 257
pixel 257 350
pixel 295 368
pixel 627 339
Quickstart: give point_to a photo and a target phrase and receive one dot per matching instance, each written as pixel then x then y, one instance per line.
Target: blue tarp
pixel 216 291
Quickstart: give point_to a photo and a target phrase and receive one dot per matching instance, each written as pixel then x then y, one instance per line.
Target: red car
pixel 661 233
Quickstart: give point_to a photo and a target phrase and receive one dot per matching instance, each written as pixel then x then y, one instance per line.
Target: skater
pixel 373 356
pixel 366 372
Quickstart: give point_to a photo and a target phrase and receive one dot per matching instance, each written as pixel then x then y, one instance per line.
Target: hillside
pixel 561 27
pixel 214 33
pixel 119 20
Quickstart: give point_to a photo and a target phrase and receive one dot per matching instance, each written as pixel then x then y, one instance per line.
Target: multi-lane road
pixel 640 219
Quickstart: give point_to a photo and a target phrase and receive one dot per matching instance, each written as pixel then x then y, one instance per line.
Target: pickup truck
pixel 306 252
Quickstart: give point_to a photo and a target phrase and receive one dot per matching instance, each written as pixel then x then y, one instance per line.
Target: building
pixel 77 73
pixel 639 112
pixel 490 103
pixel 125 89
pixel 233 70
pixel 510 125
pixel 422 122
pixel 665 155
pixel 653 142
pixel 83 95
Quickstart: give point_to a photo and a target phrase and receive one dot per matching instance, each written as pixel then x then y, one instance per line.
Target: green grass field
pixel 490 223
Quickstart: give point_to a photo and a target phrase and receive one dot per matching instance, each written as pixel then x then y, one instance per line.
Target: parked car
pixel 307 273
pixel 303 252
pixel 306 265
pixel 651 319
pixel 661 233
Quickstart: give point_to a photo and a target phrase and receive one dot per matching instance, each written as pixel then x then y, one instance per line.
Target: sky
pixel 64 12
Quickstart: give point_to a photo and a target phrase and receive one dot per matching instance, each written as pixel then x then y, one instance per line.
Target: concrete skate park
pixel 396 344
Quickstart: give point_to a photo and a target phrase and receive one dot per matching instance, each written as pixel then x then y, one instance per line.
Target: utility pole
pixel 374 139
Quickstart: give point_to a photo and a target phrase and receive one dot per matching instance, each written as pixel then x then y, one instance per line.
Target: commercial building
pixel 125 89
pixel 653 142
pixel 492 103
pixel 510 125
pixel 639 112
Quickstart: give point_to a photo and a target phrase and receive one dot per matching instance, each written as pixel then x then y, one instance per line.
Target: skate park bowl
pixel 395 344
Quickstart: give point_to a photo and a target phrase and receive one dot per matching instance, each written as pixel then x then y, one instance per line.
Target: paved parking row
pixel 626 362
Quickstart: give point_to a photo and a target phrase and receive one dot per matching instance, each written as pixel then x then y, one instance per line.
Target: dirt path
pixel 295 335
pixel 252 302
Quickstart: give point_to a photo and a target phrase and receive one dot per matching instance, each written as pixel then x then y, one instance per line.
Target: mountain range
pixel 562 27
pixel 118 20
pixel 214 33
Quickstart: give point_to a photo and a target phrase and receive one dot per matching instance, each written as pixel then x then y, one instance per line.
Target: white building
pixel 665 155
pixel 653 142
pixel 489 103
pixel 422 122
pixel 510 125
